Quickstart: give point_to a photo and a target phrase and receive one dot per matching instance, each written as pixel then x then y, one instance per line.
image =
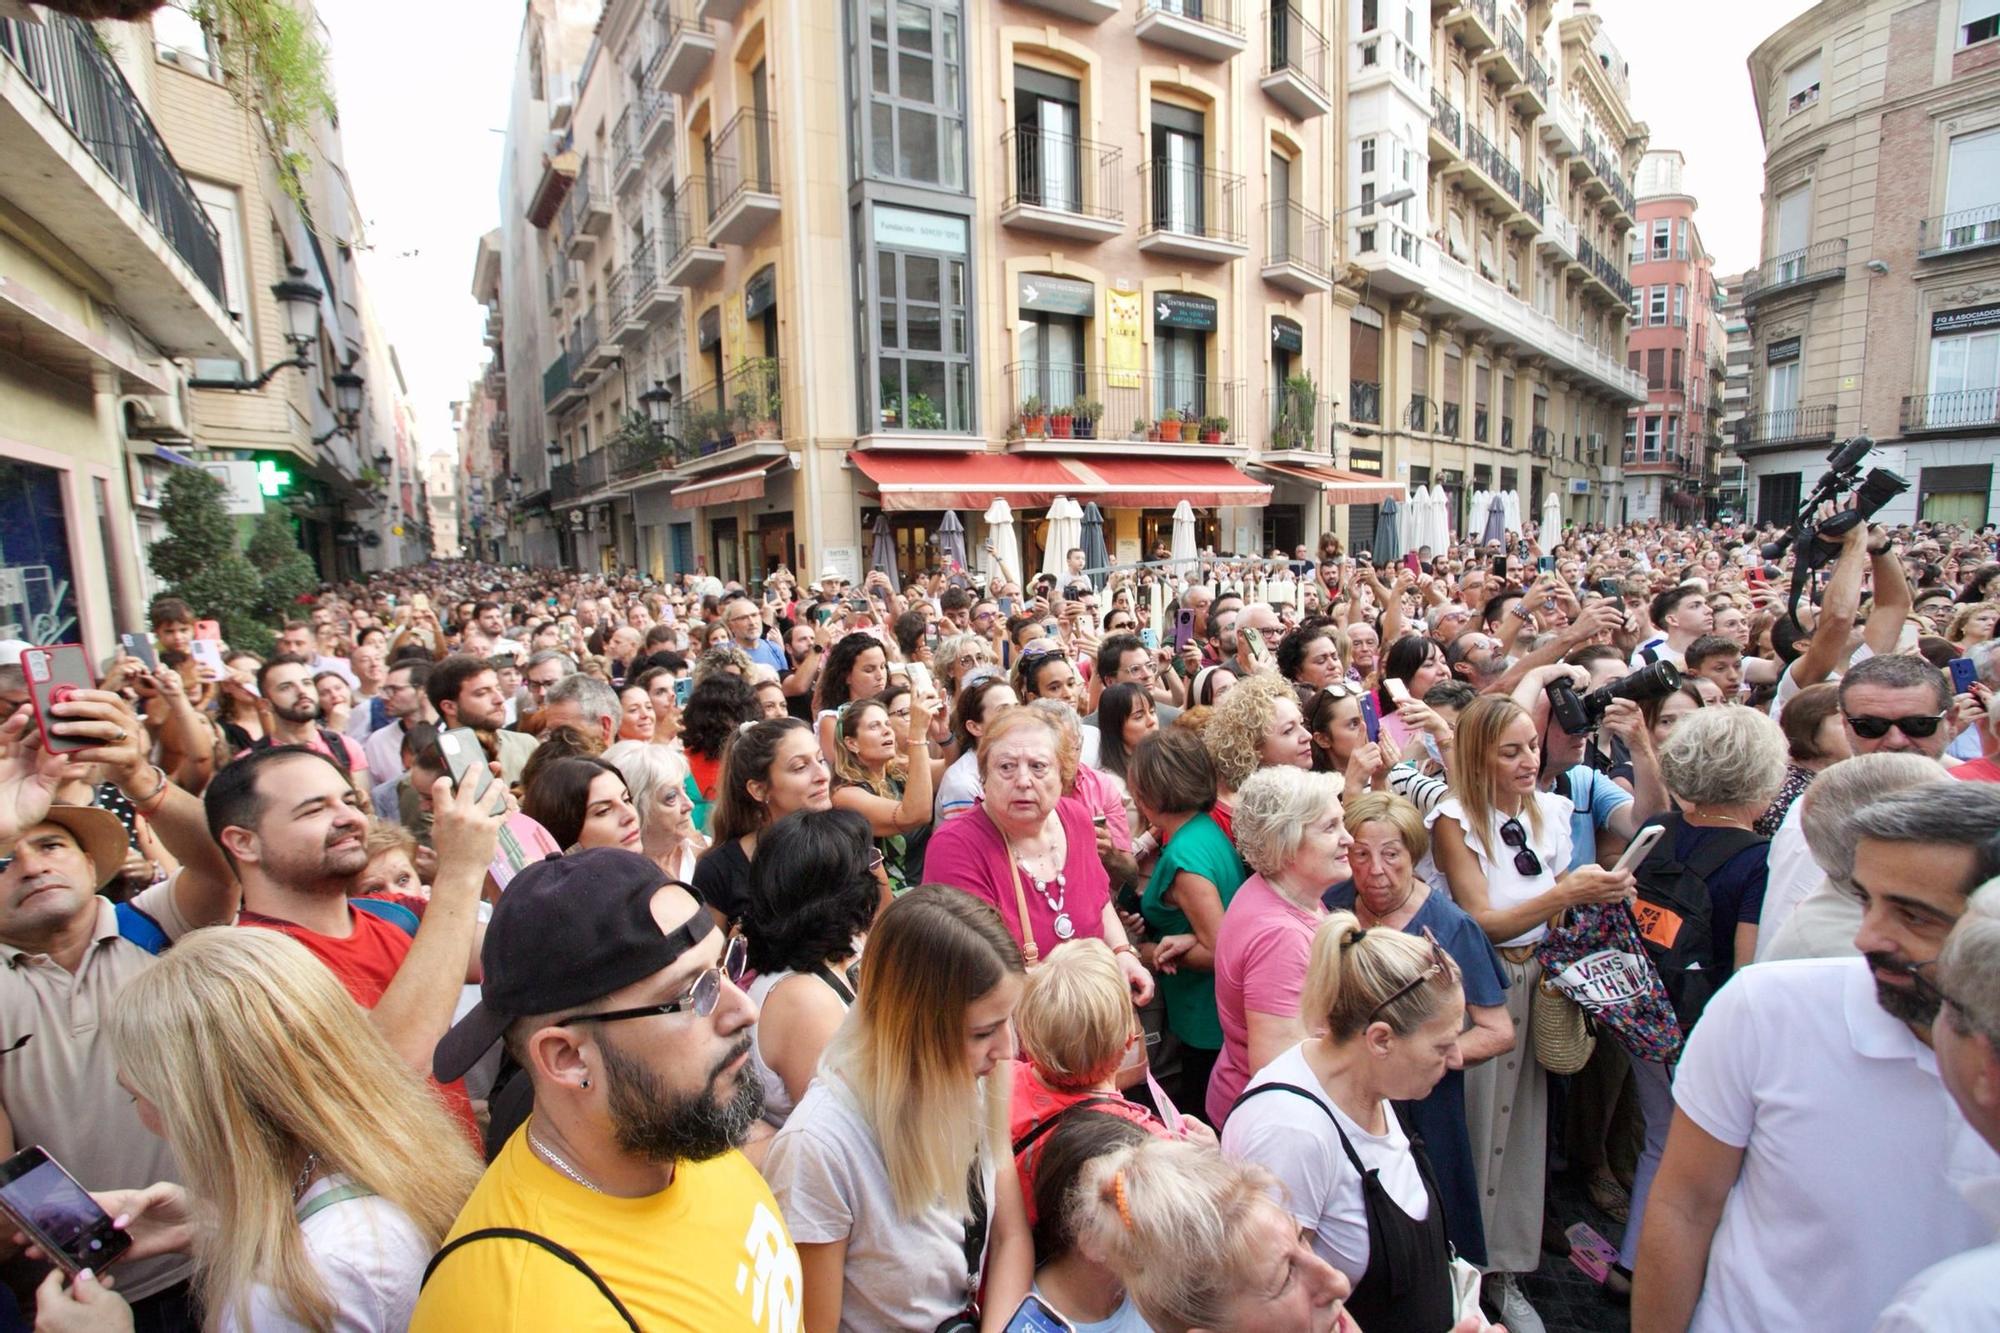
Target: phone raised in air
pixel 53 675
pixel 140 646
pixel 1963 674
pixel 1371 715
pixel 463 756
pixel 1183 629
pixel 54 1211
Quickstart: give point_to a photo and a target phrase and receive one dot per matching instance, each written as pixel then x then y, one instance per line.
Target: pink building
pixel 1670 440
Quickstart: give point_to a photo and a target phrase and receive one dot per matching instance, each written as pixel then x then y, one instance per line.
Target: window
pixel 1656 368
pixel 1052 355
pixel 1663 237
pixel 1965 379
pixel 1673 436
pixel 225 210
pixel 916 113
pixel 924 367
pixel 1978 21
pixel 1364 368
pixel 1680 304
pixel 1802 85
pixel 1631 439
pixel 1972 190
pixel 1781 390
pixel 1638 303
pixel 1482 389
pixel 1674 380
pixel 1178 156
pixel 1651 450
pixel 1789 236
pixel 1047 157
pixel 1367 156
pixel 1657 305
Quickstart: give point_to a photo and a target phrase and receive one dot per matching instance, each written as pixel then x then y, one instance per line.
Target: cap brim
pixel 467 1043
pixel 98 832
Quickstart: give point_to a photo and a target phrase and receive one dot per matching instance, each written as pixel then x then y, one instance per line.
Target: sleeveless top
pixel 777 1102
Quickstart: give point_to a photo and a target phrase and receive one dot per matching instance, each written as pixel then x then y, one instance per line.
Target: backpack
pixel 335 750
pixel 1675 915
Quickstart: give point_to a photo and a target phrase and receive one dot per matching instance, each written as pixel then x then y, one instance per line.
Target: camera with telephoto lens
pixel 1579 713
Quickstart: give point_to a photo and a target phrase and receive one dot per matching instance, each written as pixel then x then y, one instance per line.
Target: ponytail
pixel 1355 971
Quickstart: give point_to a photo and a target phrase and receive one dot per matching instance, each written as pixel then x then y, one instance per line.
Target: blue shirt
pixel 1596 798
pixel 1484 980
pixel 769 654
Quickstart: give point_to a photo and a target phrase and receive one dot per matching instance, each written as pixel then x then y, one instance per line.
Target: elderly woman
pixel 1257 725
pixel 1390 841
pixel 657 778
pixel 1816 738
pixel 957 656
pixel 1029 851
pixel 1289 831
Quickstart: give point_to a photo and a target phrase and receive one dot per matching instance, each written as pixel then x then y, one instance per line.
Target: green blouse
pixel 1199 847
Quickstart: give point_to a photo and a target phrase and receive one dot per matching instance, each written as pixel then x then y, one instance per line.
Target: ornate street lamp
pixel 298 310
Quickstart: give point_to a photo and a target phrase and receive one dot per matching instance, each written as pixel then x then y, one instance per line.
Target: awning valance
pixel 726 489
pixel 1337 485
pixel 1030 481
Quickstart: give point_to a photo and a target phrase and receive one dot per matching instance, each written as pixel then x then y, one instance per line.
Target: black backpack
pixel 1675 915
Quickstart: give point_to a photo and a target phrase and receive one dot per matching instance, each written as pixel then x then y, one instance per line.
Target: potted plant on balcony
pixel 1284 435
pixel 924 414
pixel 892 412
pixel 1170 425
pixel 1088 410
pixel 1145 428
pixel 1213 429
pixel 1301 403
pixel 1190 426
pixel 1034 418
pixel 1062 422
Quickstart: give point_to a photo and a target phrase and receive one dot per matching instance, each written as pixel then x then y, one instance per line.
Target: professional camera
pixel 1818 540
pixel 1577 714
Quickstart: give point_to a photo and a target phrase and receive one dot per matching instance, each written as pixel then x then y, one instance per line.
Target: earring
pixel 586 1083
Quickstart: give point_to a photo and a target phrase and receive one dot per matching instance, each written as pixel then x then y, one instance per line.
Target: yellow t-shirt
pixel 709 1254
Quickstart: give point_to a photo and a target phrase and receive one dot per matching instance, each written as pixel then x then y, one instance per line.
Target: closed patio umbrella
pixel 951 542
pixel 1094 555
pixel 1388 533
pixel 1183 550
pixel 883 556
pixel 1552 519
pixel 1003 549
pixel 1065 535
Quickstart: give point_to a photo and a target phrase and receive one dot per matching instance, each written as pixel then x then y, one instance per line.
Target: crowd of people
pixel 1242 944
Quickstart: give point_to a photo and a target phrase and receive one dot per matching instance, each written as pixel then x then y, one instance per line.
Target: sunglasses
pixel 1343 690
pixel 1440 966
pixel 875 861
pixel 1875 728
pixel 1516 837
pixel 701 996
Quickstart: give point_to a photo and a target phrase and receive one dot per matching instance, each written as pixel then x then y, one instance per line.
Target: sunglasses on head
pixel 700 996
pixel 1516 837
pixel 1916 728
pixel 1440 966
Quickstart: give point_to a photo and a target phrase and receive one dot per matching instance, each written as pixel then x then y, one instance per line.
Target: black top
pixel 723 877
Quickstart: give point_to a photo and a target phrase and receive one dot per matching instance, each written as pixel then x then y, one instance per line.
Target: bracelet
pixel 1117 949
pixel 153 795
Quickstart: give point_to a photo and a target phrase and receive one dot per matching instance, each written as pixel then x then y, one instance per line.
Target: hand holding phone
pixel 57 1215
pixel 54 674
pixel 1636 850
pixel 464 756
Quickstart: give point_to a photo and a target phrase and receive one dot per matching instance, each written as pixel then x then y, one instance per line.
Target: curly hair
pixel 1235 733
pixel 840 660
pixel 716 706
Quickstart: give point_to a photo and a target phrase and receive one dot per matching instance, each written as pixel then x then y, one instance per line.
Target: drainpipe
pixel 807 482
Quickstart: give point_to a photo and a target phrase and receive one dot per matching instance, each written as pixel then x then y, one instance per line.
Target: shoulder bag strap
pixel 1325 1110
pixel 539 1242
pixel 339 1194
pixel 1029 953
pixel 839 987
pixel 1049 1122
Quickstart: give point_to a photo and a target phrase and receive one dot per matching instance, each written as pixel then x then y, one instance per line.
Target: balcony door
pixel 1965 379
pixel 1047 124
pixel 1781 399
pixel 1177 169
pixel 1972 190
pixel 1052 350
pixel 1180 367
pixel 760 133
pixel 1788 238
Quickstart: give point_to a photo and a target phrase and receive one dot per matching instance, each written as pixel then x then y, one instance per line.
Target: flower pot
pixel 1211 437
pixel 1170 428
pixel 1062 427
pixel 1036 427
pixel 1086 430
pixel 1153 435
pixel 1190 432
pixel 767 429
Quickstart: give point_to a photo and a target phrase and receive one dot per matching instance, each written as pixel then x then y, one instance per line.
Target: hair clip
pixel 1118 1194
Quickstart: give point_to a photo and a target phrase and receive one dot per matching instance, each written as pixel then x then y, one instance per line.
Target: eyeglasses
pixel 1441 966
pixel 1930 988
pixel 1875 728
pixel 1525 859
pixel 701 995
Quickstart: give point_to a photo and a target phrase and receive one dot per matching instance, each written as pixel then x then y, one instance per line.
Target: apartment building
pixel 1732 486
pixel 801 272
pixel 1877 307
pixel 1676 343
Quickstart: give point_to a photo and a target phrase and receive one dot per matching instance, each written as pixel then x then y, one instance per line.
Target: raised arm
pixel 1837 609
pixel 1893 600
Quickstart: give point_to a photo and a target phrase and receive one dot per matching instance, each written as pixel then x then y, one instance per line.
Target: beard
pixel 305 710
pixel 650 1122
pixel 1910 1004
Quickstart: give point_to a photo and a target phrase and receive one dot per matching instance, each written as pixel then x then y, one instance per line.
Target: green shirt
pixel 1199 847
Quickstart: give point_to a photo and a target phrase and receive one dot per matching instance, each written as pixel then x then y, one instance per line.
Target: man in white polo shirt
pixel 1815 1159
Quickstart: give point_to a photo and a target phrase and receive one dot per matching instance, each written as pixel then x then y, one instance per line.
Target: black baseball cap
pixel 567 930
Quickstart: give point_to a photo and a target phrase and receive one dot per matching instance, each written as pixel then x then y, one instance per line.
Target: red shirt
pixel 365 963
pixel 1978 770
pixel 1035 1102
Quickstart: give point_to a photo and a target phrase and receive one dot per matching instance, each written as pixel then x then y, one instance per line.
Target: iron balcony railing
pixel 644 272
pixel 1486 155
pixel 1787 426
pixel 1531 203
pixel 617 298
pixel 1297 235
pixel 1486 11
pixel 753 397
pixel 1506 432
pixel 685 225
pixel 1364 401
pixel 1217 14
pixel 1967 229
pixel 577 203
pixel 743 157
pixel 76 76
pixel 1062 173
pixel 556 379
pixel 1514 45
pixel 563 483
pixel 1482 423
pixel 1292 414
pixel 1960 409
pixel 583 336
pixel 592 470
pixel 1192 200
pixel 1296 45
pixel 1814 263
pixel 1538 78
pixel 625 139
pixel 1538 441
pixel 1072 400
pixel 659 36
pixel 1445 118
pixel 1422 414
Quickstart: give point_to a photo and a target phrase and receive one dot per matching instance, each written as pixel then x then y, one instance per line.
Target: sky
pixel 423 88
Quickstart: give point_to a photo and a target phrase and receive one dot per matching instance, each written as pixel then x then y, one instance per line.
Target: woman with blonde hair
pixel 1972 624
pixel 325 1172
pixel 893 1171
pixel 1257 725
pixel 886 783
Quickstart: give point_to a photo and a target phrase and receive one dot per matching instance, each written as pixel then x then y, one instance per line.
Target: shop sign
pixel 1969 320
pixel 906 229
pixel 1180 310
pixel 241 492
pixel 1287 336
pixel 1057 296
pixel 1785 349
pixel 761 292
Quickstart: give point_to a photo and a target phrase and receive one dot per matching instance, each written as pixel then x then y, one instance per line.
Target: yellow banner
pixel 1124 356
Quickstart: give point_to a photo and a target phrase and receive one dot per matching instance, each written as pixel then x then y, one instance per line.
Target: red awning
pixel 1031 481
pixel 1337 485
pixel 726 489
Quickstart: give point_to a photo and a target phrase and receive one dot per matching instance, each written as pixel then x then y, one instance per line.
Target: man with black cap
pixel 622 1203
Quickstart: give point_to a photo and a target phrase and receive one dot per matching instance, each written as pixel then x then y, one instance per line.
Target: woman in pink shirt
pixel 1288 829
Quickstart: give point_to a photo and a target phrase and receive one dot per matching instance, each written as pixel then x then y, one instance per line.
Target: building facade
pixel 781 275
pixel 1877 307
pixel 1732 485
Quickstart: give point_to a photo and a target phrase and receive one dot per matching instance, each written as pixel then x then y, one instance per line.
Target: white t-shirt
pixel 1506 886
pixel 1789 687
pixel 1298 1145
pixel 960 786
pixel 1792 876
pixel 1853 1152
pixel 1960 1295
pixel 1660 650
pixel 367 1255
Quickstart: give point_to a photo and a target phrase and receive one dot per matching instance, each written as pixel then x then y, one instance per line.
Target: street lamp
pixel 298 308
pixel 1389 200
pixel 555 450
pixel 658 402
pixel 347 398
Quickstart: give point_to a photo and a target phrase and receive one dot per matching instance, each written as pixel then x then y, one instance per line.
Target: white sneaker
pixel 1504 1294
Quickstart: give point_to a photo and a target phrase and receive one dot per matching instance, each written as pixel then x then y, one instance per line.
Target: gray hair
pixel 1970 967
pixel 1959 814
pixel 1062 715
pixel 1274 808
pixel 644 766
pixel 1725 756
pixel 596 698
pixel 1893 672
pixel 1826 811
pixel 545 655
pixel 1986 661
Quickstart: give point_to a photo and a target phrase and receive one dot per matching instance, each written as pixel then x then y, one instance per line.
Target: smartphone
pixel 463 756
pixel 1546 563
pixel 207 655
pixel 1006 605
pixel 1642 843
pixel 1099 819
pixel 1411 563
pixel 683 687
pixel 1183 629
pixel 1371 715
pixel 56 1213
pixel 208 629
pixel 1397 690
pixel 1149 638
pixel 1034 1315
pixel 1499 567
pixel 53 675
pixel 1963 674
pixel 1609 588
pixel 141 647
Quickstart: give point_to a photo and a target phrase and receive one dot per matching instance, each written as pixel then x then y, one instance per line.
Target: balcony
pixel 1598 268
pixel 746 198
pixel 1449 420
pixel 1447 130
pixel 1292 414
pixel 1398 261
pixel 1474 24
pixel 719 11
pixel 1508 60
pixel 1056 405
pixel 1558 232
pixel 1539 441
pixel 1204 29
pixel 1083 11
pixel 586 212
pixel 1420 414
pixel 1786 429
pixel 1970 411
pixel 1295 67
pixel 1956 233
pixel 626 327
pixel 640 129
pixel 1482 307
pixel 1797 271
pixel 1059 185
pixel 1531 95
pixel 753 397
pixel 589 354
pixel 688 50
pixel 1563 129
pixel 692 260
pixel 1492 180
pixel 80 156
pixel 649 291
pixel 1299 249
pixel 628 164
pixel 1191 212
pixel 559 391
pixel 1364 402
pixel 1380 57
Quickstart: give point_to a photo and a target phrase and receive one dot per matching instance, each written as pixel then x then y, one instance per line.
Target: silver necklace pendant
pixel 1065 928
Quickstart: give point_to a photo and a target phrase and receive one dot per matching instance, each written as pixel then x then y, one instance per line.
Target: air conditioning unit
pixel 157 417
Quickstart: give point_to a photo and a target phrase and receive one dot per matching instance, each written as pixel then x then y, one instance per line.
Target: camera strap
pixel 975 1235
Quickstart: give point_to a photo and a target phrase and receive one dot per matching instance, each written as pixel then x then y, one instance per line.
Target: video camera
pixel 1818 540
pixel 1578 714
